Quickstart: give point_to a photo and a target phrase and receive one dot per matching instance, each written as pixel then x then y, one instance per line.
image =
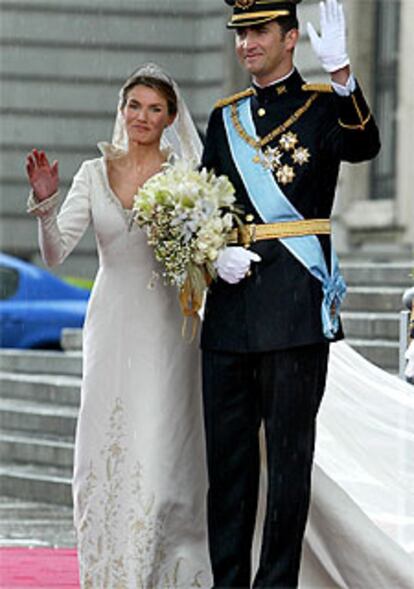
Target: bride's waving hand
pixel 43 176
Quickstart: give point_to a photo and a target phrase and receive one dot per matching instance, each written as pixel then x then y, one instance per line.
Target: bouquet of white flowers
pixel 188 216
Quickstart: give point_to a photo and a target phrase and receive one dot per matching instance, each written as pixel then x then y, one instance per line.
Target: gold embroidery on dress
pixel 102 561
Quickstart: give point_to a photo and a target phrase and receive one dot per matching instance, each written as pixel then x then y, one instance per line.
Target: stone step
pixel 360 325
pixel 57 390
pixel 26 447
pixel 44 418
pixel 383 353
pixel 374 299
pixel 380 274
pixel 36 483
pixel 35 524
pixel 41 362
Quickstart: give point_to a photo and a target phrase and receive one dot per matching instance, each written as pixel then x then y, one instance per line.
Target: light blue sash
pixel 273 207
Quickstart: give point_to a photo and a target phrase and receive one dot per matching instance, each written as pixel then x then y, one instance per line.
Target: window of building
pixel 386 97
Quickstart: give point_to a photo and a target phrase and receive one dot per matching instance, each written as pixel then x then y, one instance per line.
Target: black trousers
pixel 282 389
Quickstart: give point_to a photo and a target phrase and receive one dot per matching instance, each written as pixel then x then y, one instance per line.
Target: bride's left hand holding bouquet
pixel 188 215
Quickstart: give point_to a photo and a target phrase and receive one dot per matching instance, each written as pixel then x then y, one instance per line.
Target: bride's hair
pixel 180 138
pixel 164 88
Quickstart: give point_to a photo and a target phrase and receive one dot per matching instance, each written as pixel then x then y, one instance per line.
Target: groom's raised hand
pixel 330 45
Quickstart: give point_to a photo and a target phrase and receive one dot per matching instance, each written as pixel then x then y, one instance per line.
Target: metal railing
pixel 406 327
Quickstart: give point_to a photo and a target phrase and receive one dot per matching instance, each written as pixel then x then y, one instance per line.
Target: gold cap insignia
pixel 244 4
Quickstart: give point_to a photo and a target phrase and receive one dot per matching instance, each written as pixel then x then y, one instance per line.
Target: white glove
pixel 330 46
pixel 233 263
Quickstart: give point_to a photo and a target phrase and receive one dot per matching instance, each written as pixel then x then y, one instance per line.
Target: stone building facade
pixel 62 64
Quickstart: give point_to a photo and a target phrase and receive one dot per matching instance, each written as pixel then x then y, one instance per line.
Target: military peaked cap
pixel 247 13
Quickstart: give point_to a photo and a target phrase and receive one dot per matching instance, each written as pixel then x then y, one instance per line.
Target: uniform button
pixel 249 218
pixel 261 112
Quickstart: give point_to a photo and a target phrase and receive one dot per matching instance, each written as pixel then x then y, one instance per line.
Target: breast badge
pixel 285 174
pixel 278 158
pixel 287 154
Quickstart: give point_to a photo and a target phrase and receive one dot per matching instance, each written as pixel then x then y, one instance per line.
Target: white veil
pixel 361 525
pixel 181 138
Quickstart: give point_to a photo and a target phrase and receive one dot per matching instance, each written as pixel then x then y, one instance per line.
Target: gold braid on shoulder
pixel 234 98
pixel 317 88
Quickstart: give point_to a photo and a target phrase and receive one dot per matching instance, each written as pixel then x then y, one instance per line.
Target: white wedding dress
pixel 139 480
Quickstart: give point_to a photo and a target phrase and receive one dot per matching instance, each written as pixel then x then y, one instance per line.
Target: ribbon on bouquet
pixel 191 297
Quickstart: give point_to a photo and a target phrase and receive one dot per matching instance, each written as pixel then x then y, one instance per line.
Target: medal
pixel 301 156
pixel 285 175
pixel 288 141
pixel 288 151
pixel 271 158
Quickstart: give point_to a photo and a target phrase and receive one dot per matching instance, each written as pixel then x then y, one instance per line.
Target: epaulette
pixel 234 98
pixel 317 88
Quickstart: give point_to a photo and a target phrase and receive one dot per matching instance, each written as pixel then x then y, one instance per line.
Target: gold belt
pixel 249 233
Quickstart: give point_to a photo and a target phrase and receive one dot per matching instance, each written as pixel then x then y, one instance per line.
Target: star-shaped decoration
pixel 285 174
pixel 288 141
pixel 301 155
pixel 273 158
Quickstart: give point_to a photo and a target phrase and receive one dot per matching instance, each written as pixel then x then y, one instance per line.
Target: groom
pixel 271 315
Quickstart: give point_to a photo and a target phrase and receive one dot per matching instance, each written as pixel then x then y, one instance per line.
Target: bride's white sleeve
pixel 60 232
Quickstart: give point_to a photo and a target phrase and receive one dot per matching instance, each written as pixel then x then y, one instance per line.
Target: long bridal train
pixel 360 533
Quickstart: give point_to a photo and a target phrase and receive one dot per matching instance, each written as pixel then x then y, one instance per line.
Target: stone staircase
pixel 39 394
pixel 39 401
pixel 371 310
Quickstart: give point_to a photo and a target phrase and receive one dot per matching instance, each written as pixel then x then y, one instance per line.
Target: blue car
pixel 35 305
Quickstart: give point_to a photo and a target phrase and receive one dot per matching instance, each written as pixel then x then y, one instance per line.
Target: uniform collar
pixel 289 85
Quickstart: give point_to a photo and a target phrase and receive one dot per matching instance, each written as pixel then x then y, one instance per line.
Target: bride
pixel 140 482
pixel 139 477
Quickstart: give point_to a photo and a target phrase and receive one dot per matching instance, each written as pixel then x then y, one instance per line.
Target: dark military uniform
pixel 264 352
pixel 279 306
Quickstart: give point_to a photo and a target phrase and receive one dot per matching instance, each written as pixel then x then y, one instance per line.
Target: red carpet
pixel 40 568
